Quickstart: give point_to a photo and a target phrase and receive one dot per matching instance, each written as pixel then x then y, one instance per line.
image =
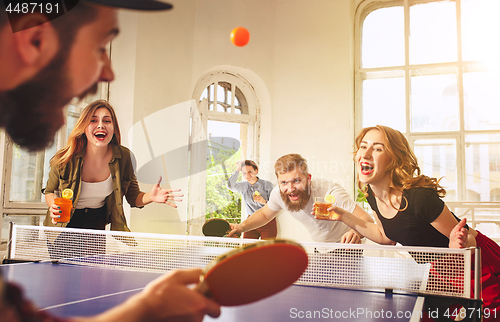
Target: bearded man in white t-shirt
pixel 295 193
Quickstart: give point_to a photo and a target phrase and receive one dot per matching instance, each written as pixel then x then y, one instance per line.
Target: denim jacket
pixel 124 184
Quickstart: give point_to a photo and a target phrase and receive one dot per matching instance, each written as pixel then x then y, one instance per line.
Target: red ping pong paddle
pixel 253 272
pixel 216 227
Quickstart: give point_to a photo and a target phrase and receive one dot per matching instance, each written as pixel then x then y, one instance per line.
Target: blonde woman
pixel 99 171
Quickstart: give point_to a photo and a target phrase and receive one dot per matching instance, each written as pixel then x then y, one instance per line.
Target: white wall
pixel 301 50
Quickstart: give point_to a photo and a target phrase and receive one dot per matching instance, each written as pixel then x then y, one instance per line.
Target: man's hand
pixel 351 237
pixel 259 199
pixel 236 230
pixel 168 298
pixel 239 165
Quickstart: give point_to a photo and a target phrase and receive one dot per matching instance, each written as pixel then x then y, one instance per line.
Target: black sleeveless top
pixel 412 226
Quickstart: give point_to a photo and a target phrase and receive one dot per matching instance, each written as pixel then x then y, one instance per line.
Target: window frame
pixel 252 118
pixel 197 185
pixel 458 68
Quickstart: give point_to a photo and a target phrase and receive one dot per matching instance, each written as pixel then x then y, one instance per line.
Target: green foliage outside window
pixel 361 196
pixel 220 201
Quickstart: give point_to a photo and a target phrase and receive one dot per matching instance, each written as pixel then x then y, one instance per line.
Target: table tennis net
pixel 440 271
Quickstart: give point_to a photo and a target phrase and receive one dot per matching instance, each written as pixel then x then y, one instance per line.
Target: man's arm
pixel 256 220
pixel 165 299
pixel 232 181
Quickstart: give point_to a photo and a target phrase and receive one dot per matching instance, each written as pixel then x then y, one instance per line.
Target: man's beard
pixel 301 203
pixel 32 113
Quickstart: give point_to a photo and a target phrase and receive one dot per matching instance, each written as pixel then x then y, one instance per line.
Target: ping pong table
pixel 341 284
pixel 72 290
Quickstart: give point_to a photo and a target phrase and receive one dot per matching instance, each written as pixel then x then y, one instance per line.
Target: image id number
pixel 32 7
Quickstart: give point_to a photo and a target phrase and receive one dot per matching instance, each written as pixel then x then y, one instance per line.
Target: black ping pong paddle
pixel 216 227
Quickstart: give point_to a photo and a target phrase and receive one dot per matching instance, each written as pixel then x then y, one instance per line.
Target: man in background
pixel 296 192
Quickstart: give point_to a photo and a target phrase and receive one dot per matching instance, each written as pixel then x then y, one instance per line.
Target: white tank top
pixel 93 194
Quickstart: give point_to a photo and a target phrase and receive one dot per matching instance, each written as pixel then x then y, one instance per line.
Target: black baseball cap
pixel 134 4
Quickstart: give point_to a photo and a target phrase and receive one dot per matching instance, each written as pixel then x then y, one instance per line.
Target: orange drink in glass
pixel 321 208
pixel 65 204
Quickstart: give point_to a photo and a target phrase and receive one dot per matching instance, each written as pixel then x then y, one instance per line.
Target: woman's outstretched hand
pixel 159 195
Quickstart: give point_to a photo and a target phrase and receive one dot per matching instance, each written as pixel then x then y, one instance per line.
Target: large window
pixel 227 117
pixel 430 69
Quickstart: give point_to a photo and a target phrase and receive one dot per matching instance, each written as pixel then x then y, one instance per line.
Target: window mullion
pixel 459 30
pixel 407 66
pixel 358 81
pixel 461 176
pixel 460 78
pixel 216 100
pixel 461 173
pixel 233 95
pixel 38 180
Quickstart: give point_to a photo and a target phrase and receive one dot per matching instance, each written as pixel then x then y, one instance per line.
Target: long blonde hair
pixel 403 168
pixel 77 139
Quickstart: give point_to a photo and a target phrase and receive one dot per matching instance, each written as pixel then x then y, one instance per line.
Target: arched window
pixel 225 93
pixel 227 120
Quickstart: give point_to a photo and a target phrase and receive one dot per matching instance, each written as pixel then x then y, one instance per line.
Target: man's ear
pixel 37 42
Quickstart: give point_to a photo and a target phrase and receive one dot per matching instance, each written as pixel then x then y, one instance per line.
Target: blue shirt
pixel 264 187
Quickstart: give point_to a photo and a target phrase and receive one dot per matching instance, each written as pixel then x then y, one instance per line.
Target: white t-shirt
pixel 93 194
pixel 320 230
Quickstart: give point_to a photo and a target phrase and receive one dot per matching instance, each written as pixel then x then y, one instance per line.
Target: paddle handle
pixel 202 287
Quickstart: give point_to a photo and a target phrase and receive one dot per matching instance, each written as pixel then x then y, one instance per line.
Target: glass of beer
pixel 65 206
pixel 321 208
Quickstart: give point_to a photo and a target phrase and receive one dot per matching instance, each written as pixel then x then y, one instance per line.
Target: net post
pixel 467 258
pixel 477 273
pixel 11 236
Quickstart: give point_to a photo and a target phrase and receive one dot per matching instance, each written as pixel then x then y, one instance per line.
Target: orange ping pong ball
pixel 240 36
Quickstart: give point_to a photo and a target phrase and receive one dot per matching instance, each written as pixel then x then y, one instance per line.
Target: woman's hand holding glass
pixel 335 214
pixel 60 205
pixel 55 213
